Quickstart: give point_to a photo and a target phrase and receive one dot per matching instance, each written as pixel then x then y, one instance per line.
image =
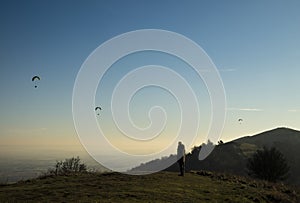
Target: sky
pixel 254 45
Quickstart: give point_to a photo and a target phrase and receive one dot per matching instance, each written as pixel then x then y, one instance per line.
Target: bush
pixel 268 164
pixel 68 166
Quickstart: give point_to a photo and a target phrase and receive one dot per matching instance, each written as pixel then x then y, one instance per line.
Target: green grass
pixel 159 187
pixel 248 149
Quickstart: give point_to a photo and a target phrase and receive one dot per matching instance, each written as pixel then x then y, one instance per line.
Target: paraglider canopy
pixel 98 108
pixel 34 78
pixel 240 120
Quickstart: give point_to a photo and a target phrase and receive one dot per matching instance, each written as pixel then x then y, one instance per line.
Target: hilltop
pixel 231 157
pixel 198 186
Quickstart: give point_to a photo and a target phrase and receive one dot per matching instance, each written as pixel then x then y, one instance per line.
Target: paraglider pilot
pixel 34 78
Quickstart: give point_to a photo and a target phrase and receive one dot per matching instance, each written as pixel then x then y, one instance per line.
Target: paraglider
pixel 98 109
pixel 35 78
pixel 240 120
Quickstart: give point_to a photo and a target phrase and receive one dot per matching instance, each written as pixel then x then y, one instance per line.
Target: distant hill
pixel 201 186
pixel 231 157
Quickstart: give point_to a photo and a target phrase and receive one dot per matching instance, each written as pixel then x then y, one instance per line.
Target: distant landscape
pixel 32 161
pixel 230 157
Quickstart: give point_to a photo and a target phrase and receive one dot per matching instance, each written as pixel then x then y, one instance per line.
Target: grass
pixel 248 149
pixel 158 187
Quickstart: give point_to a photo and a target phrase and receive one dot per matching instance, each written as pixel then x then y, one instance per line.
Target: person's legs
pixel 181 166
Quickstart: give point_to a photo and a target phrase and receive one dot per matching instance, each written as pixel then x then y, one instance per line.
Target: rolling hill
pixel 231 157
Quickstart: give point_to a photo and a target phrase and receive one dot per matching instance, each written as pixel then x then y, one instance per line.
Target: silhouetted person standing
pixel 181 158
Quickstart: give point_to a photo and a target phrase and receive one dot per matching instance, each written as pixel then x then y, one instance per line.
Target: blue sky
pixel 254 44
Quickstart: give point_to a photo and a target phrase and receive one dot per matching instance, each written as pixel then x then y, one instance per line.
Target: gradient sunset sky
pixel 254 44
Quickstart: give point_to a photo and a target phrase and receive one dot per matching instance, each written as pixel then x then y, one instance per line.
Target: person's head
pixel 179 143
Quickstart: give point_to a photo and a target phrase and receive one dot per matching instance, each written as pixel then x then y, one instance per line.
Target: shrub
pixel 268 164
pixel 68 166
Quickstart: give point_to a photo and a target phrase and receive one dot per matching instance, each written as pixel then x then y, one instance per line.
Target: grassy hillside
pixel 160 187
pixel 285 140
pixel 232 157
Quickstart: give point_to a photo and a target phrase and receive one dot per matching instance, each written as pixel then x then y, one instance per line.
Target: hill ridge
pixel 281 129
